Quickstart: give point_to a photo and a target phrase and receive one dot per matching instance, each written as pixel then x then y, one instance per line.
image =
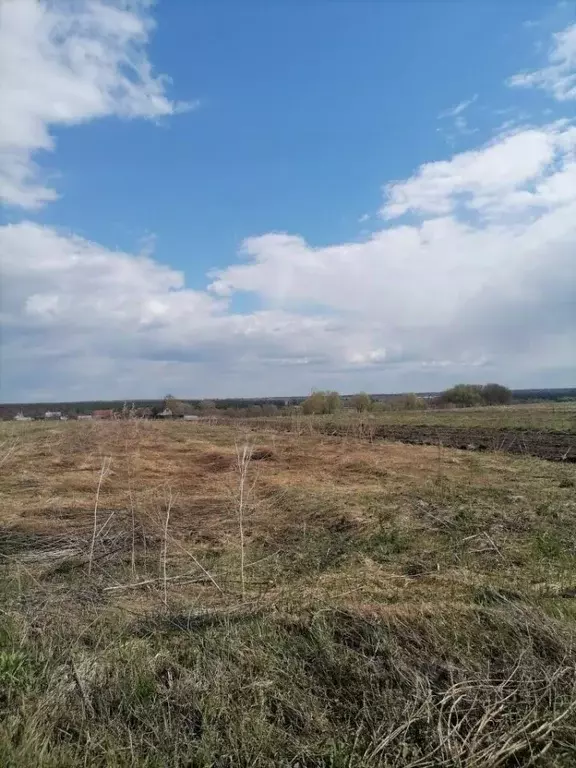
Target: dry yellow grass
pixel 386 521
pixel 396 605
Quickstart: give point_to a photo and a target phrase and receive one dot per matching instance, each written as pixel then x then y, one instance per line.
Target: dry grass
pixel 180 594
pixel 538 416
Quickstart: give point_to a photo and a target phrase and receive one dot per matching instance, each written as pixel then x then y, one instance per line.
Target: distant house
pixel 55 415
pixel 84 417
pixel 165 414
pixel 104 414
pixel 191 417
pixel 20 417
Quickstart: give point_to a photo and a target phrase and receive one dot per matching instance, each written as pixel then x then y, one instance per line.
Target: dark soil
pixel 554 446
pixel 545 444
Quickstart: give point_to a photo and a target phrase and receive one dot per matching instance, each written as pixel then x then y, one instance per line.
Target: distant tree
pixel 322 402
pixel 361 402
pixel 333 402
pixel 414 403
pixel 408 402
pixel 462 395
pixel 496 394
pixel 379 406
pixel 315 403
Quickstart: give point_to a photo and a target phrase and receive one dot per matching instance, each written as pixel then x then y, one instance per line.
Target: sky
pixel 257 198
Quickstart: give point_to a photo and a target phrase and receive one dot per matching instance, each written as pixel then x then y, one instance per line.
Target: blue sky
pixel 267 218
pixel 306 109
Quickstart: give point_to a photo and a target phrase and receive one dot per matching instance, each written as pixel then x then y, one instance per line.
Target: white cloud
pixel 486 276
pixel 558 78
pixel 461 107
pixel 482 179
pixel 64 63
pixel 459 122
pixel 66 298
pixel 487 294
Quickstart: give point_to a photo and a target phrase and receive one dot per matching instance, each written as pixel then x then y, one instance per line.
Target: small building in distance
pixel 165 414
pixel 84 417
pixel 191 417
pixel 53 415
pixel 20 417
pixel 103 414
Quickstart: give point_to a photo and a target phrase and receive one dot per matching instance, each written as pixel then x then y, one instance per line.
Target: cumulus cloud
pixel 485 274
pixel 483 179
pixel 66 63
pixel 470 290
pixel 66 298
pixel 558 78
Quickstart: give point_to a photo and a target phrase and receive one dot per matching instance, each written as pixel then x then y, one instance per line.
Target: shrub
pixel 333 402
pixel 496 394
pixel 361 402
pixel 463 395
pixel 269 409
pixel 408 402
pixel 177 407
pixel 321 402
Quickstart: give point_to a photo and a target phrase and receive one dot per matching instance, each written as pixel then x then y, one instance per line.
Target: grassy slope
pixel 402 605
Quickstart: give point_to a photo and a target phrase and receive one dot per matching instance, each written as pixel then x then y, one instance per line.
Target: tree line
pixel 461 395
pixel 467 395
pixel 318 402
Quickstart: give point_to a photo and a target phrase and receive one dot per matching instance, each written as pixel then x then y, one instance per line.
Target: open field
pixel 546 431
pixel 544 444
pixel 190 595
pixel 539 416
pixel 559 417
